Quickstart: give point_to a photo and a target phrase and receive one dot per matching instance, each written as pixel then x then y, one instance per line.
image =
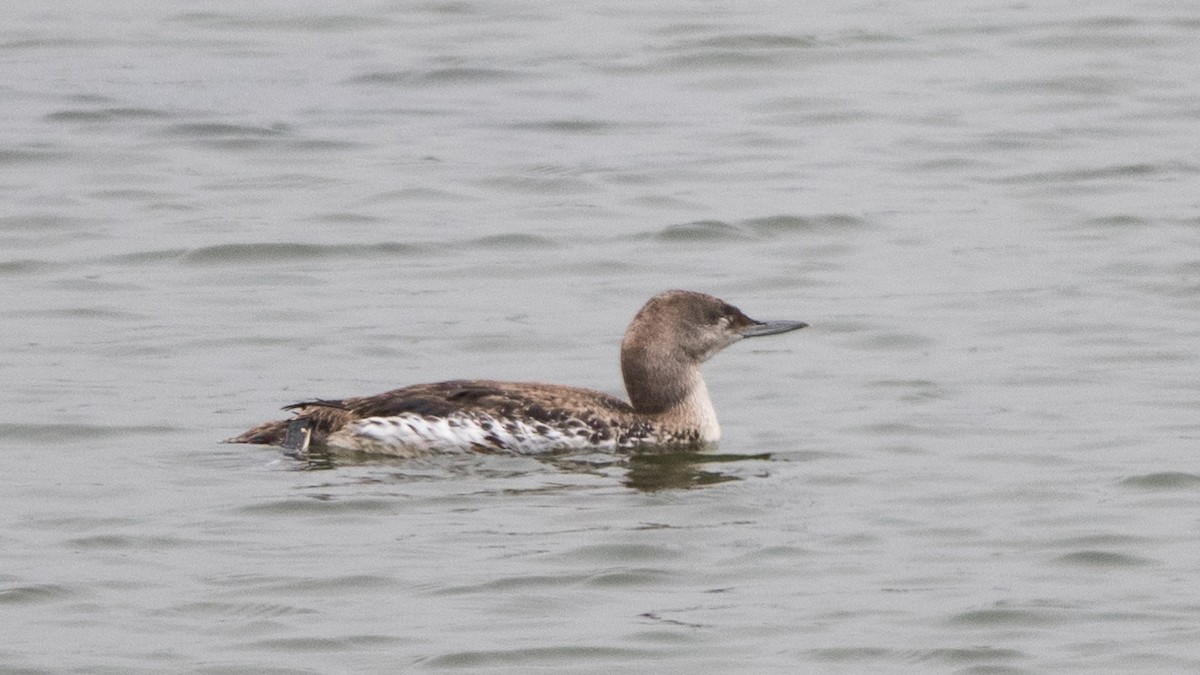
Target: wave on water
pixel 34 594
pixel 61 432
pixel 514 241
pixel 30 154
pixel 223 254
pixel 434 76
pixel 261 20
pixel 1096 558
pixel 986 659
pixel 1164 480
pixel 701 231
pixel 22 267
pixel 237 137
pixel 784 224
pixel 225 130
pixel 761 228
pixel 119 114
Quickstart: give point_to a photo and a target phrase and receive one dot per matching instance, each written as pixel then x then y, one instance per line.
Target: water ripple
pixel 30 155
pixel 23 267
pixel 750 41
pixel 435 76
pixel 631 578
pixel 967 655
pixel 791 224
pixel 236 609
pixel 241 254
pixel 322 644
pixel 1095 558
pixel 516 240
pixel 60 432
pixel 1002 616
pixel 569 126
pixel 1101 173
pixel 106 115
pixel 1163 480
pixel 701 231
pixel 134 542
pixel 294 507
pixel 568 656
pixel 225 130
pixel 34 594
pixel 504 584
pixel 309 23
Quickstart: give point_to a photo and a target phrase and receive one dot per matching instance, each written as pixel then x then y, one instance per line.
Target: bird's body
pixel 660 356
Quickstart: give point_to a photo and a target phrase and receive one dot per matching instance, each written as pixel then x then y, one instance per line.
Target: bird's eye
pixel 723 322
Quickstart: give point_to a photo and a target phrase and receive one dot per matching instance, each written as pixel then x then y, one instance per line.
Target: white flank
pixel 413 435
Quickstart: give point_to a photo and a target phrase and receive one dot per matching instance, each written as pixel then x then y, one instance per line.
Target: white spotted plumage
pixel 413 435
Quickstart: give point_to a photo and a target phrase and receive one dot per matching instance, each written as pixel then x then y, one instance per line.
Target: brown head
pixel 672 335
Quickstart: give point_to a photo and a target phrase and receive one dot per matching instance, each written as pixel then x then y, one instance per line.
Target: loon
pixel 669 406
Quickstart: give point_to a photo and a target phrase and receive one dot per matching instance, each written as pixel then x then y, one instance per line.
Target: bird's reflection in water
pixel 645 470
pixel 651 471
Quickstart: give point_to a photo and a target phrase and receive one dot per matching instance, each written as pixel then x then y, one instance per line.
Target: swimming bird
pixel 669 405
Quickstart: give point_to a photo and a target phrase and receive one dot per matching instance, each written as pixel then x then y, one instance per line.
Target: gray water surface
pixel 981 457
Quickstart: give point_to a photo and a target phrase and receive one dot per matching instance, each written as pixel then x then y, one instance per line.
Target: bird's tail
pixel 268 433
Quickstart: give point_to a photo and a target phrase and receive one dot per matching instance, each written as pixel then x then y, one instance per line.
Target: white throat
pixel 697 410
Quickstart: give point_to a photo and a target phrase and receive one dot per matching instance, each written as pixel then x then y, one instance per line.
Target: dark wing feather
pixel 317 402
pixel 539 402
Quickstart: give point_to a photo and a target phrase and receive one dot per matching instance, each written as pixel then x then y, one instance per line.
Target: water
pixel 981 455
